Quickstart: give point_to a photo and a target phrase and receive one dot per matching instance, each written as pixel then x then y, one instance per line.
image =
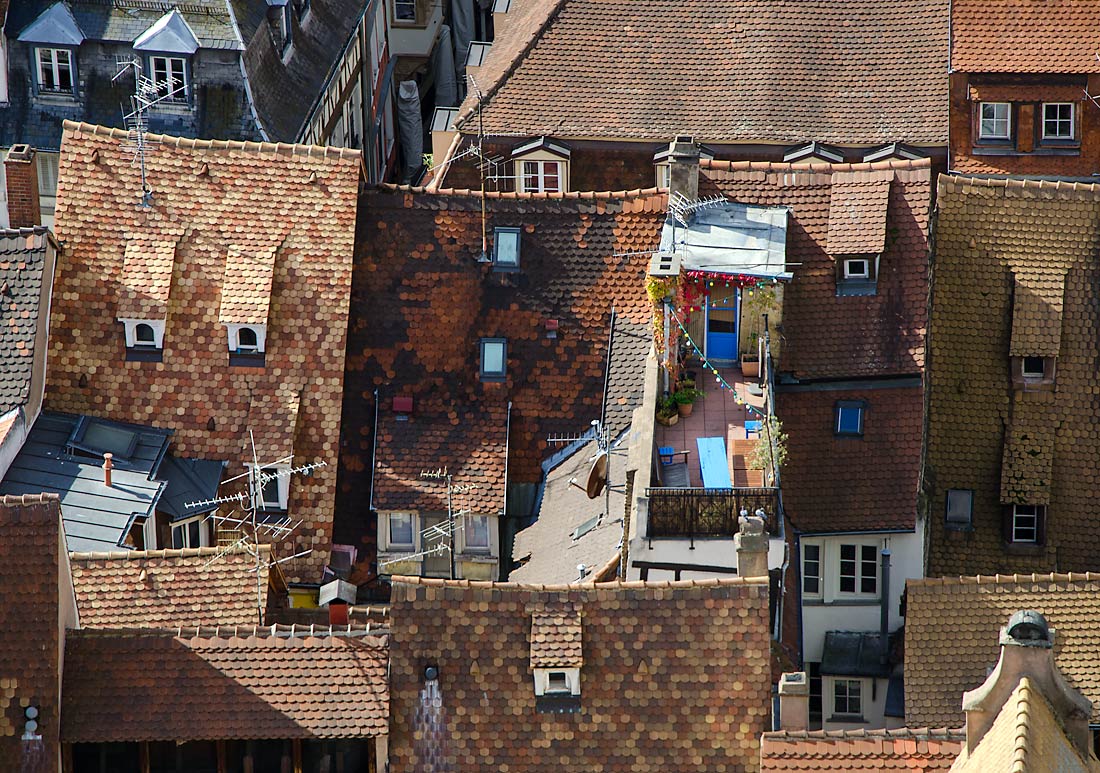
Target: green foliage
pixel 686 396
pixel 772 438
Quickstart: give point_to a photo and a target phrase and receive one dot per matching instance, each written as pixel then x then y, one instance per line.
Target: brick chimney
pixel 1027 651
pixel 684 163
pixel 794 701
pixel 751 543
pixel 21 171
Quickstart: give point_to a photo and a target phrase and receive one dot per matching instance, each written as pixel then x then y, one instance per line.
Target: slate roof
pixel 477 634
pixel 921 750
pixel 31 562
pixel 97 517
pixel 211 196
pixel 23 257
pixel 1026 737
pixel 948 649
pixel 873 481
pixel 570 529
pixel 1005 445
pixel 877 335
pixel 630 345
pixel 169 588
pixel 1021 36
pixel 213 684
pixel 417 274
pixel 737 70
pixel 190 482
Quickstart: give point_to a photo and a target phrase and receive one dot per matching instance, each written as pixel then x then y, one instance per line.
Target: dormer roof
pixel 171 34
pixel 55 26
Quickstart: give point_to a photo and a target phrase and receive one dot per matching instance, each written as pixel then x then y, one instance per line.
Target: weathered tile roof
pixel 875 335
pixel 169 588
pixel 219 194
pixel 146 277
pixel 31 562
pixel 23 256
pixel 1026 737
pixel 246 285
pixel 1058 36
pixel 556 636
pixel 477 635
pixel 948 649
pixel 914 750
pixel 726 71
pixel 872 481
pixel 213 684
pixel 630 345
pixel 857 212
pixel 417 273
pixel 1013 446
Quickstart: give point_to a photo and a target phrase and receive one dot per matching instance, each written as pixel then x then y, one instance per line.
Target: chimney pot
pixel 108 465
pixel 794 701
pixel 684 167
pixel 751 543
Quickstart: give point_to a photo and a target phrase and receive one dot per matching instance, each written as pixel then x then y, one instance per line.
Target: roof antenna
pixel 148 93
pixel 484 257
pixel 254 526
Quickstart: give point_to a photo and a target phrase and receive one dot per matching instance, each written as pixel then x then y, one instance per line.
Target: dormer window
pixel 557 682
pixel 274 485
pixel 53 39
pixel 169 76
pixel 1058 121
pixel 542 166
pixel 55 70
pixel 996 121
pixel 144 339
pixel 246 301
pixel 247 344
pixel 168 46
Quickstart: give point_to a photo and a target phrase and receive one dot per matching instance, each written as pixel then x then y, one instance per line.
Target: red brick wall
pixel 21 170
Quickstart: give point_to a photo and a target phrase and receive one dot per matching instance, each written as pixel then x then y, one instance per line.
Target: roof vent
pixel 1028 628
pixel 403 406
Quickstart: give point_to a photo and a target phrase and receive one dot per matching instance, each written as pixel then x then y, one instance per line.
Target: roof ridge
pixel 901 733
pixel 1007 579
pixel 212 632
pixel 1015 184
pixel 118 555
pixel 626 584
pixel 194 144
pixel 634 193
pixel 1022 739
pixel 814 166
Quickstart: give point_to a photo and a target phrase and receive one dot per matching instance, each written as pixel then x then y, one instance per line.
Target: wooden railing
pixel 690 513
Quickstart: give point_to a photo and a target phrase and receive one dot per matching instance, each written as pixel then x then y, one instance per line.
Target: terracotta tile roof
pixel 477 635
pixel 1057 36
pixel 630 345
pixel 146 277
pixel 948 649
pixel 169 588
pixel 729 71
pixel 417 274
pixel 217 194
pixel 1026 737
pixel 875 335
pixel 207 684
pixel 983 435
pixel 914 750
pixel 31 563
pixel 872 481
pixel 857 212
pixel 23 259
pixel 273 412
pixel 246 285
pixel 556 637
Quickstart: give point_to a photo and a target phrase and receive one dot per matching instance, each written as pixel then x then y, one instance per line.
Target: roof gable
pixel 171 34
pixel 246 285
pixel 858 204
pixel 146 277
pixel 55 26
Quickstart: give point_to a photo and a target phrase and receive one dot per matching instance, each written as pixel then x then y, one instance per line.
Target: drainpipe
pixel 373 451
pixel 884 656
pixel 507 449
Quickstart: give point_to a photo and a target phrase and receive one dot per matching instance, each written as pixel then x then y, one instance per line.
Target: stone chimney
pixel 751 543
pixel 794 701
pixel 1027 650
pixel 21 171
pixel 684 167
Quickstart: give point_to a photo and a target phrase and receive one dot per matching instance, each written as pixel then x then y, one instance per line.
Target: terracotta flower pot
pixel 685 409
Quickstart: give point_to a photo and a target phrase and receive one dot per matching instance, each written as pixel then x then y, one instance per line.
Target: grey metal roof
pixel 730 238
pixel 189 481
pixel 96 517
pixel 854 653
pixel 56 26
pixel 22 261
pixel 170 34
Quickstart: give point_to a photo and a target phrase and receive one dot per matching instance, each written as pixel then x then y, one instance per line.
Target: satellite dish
pixel 597 476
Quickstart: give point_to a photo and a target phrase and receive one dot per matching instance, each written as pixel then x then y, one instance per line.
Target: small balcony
pixel 690 513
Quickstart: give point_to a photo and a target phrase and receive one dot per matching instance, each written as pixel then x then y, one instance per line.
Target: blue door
pixel 722 329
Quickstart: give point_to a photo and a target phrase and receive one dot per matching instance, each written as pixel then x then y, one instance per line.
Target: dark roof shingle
pixel 23 258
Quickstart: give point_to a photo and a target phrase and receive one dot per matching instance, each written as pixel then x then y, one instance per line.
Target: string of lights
pixel 713 370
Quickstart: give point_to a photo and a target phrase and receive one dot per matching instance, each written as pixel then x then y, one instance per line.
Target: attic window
pixel 506 249
pixel 557 682
pixel 494 359
pixel 848 418
pixel 247 344
pixel 1033 368
pixel 274 482
pixel 144 339
pixel 996 121
pixel 857 275
pixel 1033 372
pixel 960 509
pixel 477 53
pixel 96 438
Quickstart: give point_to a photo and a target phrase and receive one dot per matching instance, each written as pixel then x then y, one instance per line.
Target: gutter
pixel 373 451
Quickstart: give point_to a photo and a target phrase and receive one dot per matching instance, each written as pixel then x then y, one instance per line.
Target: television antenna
pixel 148 93
pixel 257 528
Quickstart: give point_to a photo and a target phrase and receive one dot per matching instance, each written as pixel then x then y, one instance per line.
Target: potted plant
pixel 667 414
pixel 685 398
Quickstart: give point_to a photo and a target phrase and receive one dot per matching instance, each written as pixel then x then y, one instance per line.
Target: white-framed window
pixel 274 487
pixel 494 359
pixel 1025 523
pixel 476 529
pixel 960 509
pixel 995 121
pixel 1034 368
pixel 506 247
pixel 169 75
pixel 858 570
pixel 848 697
pixel 190 534
pixel 541 176
pixel 247 339
pixel 145 334
pixel 857 268
pixel 557 681
pixel 404 11
pixel 664 175
pixel 811 569
pixel 402 528
pixel 55 70
pixel 1058 121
